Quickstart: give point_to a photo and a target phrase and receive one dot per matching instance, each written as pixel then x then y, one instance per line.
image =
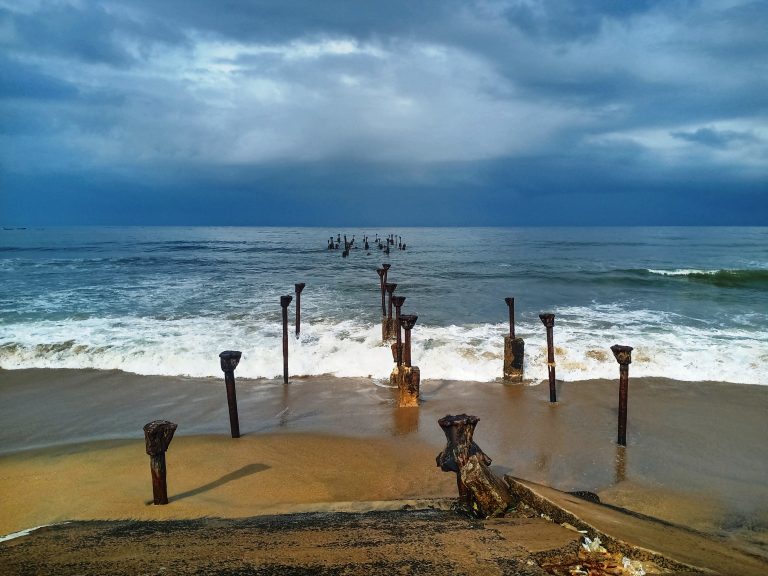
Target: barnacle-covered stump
pixel 514 351
pixel 407 380
pixel 388 328
pixel 480 490
pixel 158 435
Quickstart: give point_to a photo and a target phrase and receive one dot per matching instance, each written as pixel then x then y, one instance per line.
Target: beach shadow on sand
pixel 236 475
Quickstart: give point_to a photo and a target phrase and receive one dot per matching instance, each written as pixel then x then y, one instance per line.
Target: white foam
pixel 665 345
pixel 682 272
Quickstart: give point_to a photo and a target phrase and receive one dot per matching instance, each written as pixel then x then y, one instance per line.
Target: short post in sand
pixel 390 331
pixel 397 348
pixel 405 376
pixel 548 319
pixel 158 435
pixel 229 361
pixel 623 356
pixel 284 302
pixel 297 290
pixel 480 490
pixel 514 349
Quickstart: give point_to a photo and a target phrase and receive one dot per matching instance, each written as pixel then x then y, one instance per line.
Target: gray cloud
pixel 515 96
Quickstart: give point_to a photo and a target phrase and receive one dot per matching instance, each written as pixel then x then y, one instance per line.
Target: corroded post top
pixel 390 286
pixel 408 321
pixel 158 435
pixel 229 360
pixel 285 300
pixel 386 266
pixel 398 301
pixel 510 301
pixel 623 354
pixel 548 319
pixel 299 287
pixel 458 420
pixel 380 272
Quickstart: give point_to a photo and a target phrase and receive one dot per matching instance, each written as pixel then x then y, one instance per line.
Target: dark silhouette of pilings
pixel 284 302
pixel 297 290
pixel 514 349
pixel 623 356
pixel 229 361
pixel 158 435
pixel 548 319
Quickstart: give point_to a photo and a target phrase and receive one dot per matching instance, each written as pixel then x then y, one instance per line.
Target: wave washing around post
pixel 693 302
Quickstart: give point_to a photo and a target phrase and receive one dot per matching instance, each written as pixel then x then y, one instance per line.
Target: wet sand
pixel 71 446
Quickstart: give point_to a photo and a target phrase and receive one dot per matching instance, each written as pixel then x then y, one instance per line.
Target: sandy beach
pixel 71 447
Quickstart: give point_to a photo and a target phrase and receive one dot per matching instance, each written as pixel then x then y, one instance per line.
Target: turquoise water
pixel 692 301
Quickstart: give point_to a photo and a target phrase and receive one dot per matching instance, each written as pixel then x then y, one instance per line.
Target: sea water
pixel 693 302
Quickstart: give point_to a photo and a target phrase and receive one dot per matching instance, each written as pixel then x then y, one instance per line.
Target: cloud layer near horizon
pixel 482 112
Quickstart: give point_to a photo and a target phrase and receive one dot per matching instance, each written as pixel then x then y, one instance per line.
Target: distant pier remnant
pixel 548 319
pixel 284 302
pixel 481 492
pixel 297 290
pixel 406 377
pixel 229 361
pixel 623 356
pixel 514 349
pixel 158 435
pixel 388 329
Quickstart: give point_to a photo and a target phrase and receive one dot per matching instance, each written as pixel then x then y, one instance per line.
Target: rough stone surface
pixel 489 495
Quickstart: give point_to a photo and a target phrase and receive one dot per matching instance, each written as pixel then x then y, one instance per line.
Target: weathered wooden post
pixel 514 349
pixel 158 435
pixel 623 356
pixel 284 302
pixel 297 290
pixel 398 302
pixel 390 332
pixel 229 361
pixel 548 319
pixel 480 490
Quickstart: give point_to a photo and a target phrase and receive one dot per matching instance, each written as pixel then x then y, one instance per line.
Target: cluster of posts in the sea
pixel 383 244
pixel 406 377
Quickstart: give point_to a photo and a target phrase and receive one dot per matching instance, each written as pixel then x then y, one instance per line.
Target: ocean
pixel 693 302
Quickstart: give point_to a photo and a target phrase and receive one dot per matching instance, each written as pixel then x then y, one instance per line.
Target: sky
pixel 399 112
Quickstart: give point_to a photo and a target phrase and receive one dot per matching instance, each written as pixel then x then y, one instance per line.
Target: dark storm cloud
pixel 459 107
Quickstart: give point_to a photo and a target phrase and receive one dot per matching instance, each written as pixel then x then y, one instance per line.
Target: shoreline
pixel 696 454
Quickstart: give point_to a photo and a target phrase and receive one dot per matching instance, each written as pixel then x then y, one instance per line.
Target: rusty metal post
pixel 514 349
pixel 229 361
pixel 297 290
pixel 548 319
pixel 407 321
pixel 390 287
pixel 157 436
pixel 398 301
pixel 382 273
pixel 623 356
pixel 511 304
pixel 389 332
pixel 284 302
